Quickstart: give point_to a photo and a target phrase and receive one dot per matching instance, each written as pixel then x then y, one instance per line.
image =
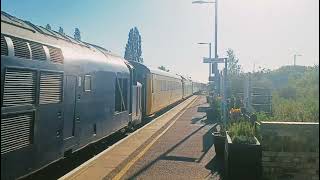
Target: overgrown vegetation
pixel 295 90
pixel 295 94
pixel 242 132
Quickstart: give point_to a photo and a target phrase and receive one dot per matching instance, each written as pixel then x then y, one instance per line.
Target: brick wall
pixel 290 150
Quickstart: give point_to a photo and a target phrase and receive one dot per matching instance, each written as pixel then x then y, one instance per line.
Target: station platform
pixel 175 145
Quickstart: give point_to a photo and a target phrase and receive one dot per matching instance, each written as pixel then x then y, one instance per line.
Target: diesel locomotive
pixel 59 94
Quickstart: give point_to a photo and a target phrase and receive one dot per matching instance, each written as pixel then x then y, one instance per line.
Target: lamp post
pixel 209 56
pixel 295 58
pixel 225 93
pixel 214 66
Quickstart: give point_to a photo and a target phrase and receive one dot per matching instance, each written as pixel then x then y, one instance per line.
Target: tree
pixel 235 79
pixel 48 27
pixel 163 68
pixel 77 35
pixel 61 30
pixel 133 50
pixel 233 67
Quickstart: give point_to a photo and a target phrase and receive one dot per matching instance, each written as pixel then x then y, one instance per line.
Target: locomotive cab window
pixel 121 88
pixel 87 83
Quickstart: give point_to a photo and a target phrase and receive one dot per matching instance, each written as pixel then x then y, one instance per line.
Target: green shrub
pixel 262 116
pixel 242 132
pixel 216 104
pixel 295 92
pixel 298 98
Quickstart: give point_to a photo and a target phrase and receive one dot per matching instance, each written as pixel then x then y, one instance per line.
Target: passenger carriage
pixel 159 88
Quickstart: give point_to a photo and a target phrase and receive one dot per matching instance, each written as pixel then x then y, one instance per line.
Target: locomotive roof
pixel 26 25
pixel 73 50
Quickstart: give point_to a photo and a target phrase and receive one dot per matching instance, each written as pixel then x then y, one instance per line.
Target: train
pixel 59 94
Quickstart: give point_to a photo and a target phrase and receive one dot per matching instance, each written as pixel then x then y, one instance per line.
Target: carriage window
pixel 87 83
pixel 121 94
pixel 79 81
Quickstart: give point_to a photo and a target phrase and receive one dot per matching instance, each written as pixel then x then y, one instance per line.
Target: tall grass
pixel 242 132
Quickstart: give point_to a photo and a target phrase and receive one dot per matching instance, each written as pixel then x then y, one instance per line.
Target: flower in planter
pixel 235 110
pixel 235 114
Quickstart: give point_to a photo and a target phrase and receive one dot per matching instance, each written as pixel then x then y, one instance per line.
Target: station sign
pixel 213 60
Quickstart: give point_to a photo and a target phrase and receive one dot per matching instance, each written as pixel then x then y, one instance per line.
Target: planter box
pixel 213 115
pixel 219 143
pixel 210 115
pixel 242 161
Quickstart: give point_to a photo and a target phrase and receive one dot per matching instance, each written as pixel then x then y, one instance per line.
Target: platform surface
pixel 176 145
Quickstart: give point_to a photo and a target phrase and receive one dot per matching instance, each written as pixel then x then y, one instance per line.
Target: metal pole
pixel 216 30
pixel 210 72
pixel 214 66
pixel 225 93
pixel 249 93
pixel 294 60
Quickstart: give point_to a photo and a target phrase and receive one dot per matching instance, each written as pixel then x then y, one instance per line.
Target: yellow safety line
pixel 129 164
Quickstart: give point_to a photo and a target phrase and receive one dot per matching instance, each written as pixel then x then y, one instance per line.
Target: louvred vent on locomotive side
pixel 19 87
pixel 21 48
pixel 37 51
pixel 4 46
pixel 56 55
pixel 50 87
pixel 16 131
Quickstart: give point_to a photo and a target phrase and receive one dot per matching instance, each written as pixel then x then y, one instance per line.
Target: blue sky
pixel 266 32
